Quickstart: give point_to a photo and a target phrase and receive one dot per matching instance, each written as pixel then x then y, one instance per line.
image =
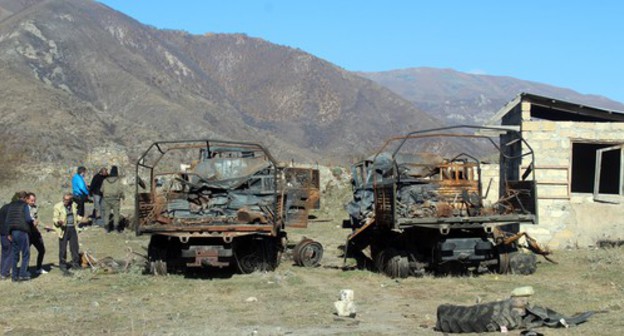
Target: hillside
pixel 80 76
pixel 462 98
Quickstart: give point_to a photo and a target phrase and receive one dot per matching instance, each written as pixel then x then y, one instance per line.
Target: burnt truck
pixel 214 203
pixel 420 212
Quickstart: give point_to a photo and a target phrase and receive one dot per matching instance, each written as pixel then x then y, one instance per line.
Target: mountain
pixel 462 98
pixel 78 75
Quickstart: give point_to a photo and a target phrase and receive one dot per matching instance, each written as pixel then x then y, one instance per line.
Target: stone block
pixel 345 307
pixel 548 126
pixel 530 126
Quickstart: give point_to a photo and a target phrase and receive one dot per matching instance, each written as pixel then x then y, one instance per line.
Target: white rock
pixel 345 307
pixel 346 295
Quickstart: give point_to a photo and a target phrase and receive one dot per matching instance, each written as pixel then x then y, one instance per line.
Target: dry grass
pixel 291 300
pixel 10 161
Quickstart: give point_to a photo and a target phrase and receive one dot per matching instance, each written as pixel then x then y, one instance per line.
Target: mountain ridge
pixel 459 97
pixel 117 81
pixel 80 76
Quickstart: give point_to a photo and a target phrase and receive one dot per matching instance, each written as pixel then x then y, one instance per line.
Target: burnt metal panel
pixel 301 193
pixel 522 195
pixel 385 204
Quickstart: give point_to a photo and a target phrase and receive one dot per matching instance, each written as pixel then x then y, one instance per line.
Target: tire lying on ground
pixel 308 253
pixel 486 317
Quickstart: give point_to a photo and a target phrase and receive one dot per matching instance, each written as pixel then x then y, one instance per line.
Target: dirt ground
pixel 290 300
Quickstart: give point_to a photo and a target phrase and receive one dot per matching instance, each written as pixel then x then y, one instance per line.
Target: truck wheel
pixel 393 263
pixel 308 253
pixel 157 255
pixel 158 267
pixel 256 255
pixel 250 263
pixel 522 263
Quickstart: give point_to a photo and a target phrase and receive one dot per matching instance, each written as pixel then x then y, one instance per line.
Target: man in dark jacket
pixel 96 192
pixel 19 220
pixel 36 239
pixel 112 189
pixel 7 246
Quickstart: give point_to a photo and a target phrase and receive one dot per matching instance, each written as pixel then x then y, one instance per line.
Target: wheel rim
pixel 308 253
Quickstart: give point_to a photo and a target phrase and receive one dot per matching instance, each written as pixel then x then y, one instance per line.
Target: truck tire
pixel 256 255
pixel 158 267
pixel 522 263
pixel 393 263
pixel 487 317
pixel 157 255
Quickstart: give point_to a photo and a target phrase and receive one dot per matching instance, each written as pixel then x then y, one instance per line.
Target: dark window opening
pixel 545 113
pixel 584 169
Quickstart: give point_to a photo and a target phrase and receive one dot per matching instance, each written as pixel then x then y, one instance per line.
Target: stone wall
pixel 565 219
pixel 490 172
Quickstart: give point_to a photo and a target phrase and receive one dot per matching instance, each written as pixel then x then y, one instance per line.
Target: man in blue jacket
pixel 80 189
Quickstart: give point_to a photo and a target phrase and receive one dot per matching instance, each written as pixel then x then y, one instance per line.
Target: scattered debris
pixel 108 265
pixel 607 243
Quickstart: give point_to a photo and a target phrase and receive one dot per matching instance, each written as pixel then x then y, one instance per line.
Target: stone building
pixel 578 167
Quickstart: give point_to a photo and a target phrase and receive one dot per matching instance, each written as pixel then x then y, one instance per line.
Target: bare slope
pixel 462 98
pixel 77 74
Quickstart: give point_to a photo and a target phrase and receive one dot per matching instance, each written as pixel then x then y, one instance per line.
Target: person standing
pixel 20 222
pixel 96 193
pixel 6 262
pixel 36 239
pixel 113 194
pixel 66 218
pixel 79 189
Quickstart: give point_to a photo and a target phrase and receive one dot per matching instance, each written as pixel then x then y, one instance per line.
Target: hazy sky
pixel 572 44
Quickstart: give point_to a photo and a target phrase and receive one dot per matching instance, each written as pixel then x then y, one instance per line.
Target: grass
pixel 291 300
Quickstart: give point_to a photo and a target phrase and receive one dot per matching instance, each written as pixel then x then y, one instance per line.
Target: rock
pixel 523 291
pixel 345 307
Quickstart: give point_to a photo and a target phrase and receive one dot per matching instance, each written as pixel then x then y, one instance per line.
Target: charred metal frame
pixel 385 195
pixel 202 226
pixel 415 212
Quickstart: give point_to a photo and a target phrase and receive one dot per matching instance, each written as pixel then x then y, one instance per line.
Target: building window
pixel 584 169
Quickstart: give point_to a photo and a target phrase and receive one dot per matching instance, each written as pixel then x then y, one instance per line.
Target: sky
pixel 572 44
